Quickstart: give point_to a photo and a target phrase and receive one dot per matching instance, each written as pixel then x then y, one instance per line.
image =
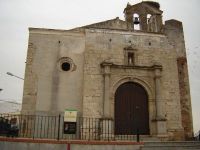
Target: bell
pixel 136 20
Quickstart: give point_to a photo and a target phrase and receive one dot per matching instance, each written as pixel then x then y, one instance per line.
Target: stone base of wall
pixel 176 135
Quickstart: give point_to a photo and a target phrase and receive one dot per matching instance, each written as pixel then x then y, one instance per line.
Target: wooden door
pixel 131 109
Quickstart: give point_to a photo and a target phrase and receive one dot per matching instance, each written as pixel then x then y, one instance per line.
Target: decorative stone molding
pixel 112 65
pixel 109 94
pixel 144 84
pixel 67 60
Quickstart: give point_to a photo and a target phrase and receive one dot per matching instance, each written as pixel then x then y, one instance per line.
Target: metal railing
pixel 53 127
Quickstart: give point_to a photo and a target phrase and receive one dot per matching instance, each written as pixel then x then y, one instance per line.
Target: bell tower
pixel 145 16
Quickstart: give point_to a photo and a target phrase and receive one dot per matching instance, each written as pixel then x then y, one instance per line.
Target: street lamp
pixel 8 73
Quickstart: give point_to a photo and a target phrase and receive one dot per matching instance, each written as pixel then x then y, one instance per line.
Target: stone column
pixel 143 22
pixel 160 111
pixel 106 98
pixel 106 122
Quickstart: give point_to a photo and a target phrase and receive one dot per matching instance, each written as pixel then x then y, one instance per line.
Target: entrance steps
pixel 42 144
pixel 143 138
pixel 183 145
pixel 147 138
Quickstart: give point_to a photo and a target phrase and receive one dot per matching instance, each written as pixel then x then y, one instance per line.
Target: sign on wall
pixel 70 115
pixel 70 118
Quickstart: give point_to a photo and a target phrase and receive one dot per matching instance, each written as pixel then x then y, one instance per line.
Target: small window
pixel 130 58
pixel 65 66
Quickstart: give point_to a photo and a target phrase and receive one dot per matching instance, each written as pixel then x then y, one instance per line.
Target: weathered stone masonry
pixel 82 69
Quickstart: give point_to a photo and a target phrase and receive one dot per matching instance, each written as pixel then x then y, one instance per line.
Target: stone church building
pixel 133 73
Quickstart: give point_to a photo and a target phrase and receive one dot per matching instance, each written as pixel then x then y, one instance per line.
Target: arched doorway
pixel 131 109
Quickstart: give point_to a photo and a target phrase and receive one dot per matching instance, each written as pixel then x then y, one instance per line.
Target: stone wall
pixel 98 66
pixel 30 82
pixel 47 87
pixel 174 31
pixel 105 45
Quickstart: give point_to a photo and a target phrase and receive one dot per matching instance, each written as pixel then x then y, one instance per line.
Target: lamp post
pixel 8 73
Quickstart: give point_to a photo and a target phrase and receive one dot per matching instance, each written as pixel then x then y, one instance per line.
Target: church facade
pixel 133 73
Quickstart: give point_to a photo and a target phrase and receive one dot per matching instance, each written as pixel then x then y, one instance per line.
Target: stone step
pixel 149 139
pixel 186 145
pixel 143 138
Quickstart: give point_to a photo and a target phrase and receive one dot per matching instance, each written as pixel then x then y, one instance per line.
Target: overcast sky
pixel 17 15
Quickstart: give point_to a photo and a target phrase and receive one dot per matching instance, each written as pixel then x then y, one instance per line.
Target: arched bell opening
pixel 148 18
pixel 136 21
